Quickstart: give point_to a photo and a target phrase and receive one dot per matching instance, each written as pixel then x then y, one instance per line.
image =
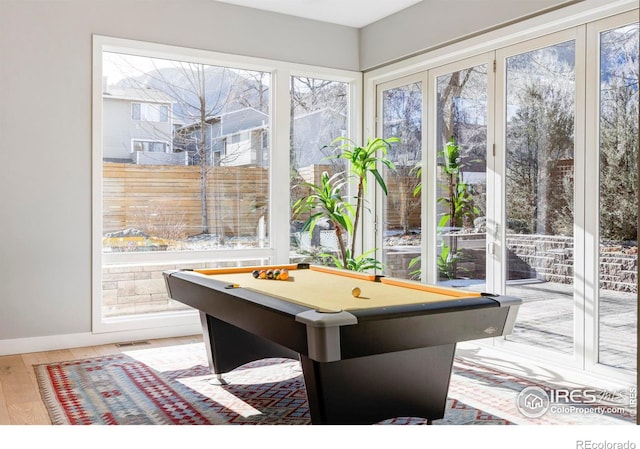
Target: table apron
pixel 328 337
pixel 399 334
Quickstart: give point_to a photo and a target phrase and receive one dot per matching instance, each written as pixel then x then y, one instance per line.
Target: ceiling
pixel 353 13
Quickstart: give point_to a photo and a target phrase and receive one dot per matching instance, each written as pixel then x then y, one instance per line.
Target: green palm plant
pixel 448 262
pixel 460 206
pixel 459 201
pixel 451 168
pixel 417 171
pixel 326 201
pixel 364 160
pixel 359 263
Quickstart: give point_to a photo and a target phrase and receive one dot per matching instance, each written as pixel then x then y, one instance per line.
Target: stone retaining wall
pixel 548 258
pixel 140 289
pixel 136 289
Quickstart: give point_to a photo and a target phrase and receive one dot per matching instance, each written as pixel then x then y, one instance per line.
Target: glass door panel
pixel 539 194
pixel 462 177
pixel 319 115
pixel 618 173
pixel 402 118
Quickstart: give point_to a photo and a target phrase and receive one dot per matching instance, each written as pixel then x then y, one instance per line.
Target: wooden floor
pixel 20 401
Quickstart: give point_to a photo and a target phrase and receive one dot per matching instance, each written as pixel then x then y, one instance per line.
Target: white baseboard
pixel 55 342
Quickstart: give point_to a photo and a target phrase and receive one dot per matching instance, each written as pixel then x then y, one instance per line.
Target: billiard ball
pixel 255 273
pixel 355 292
pixel 284 274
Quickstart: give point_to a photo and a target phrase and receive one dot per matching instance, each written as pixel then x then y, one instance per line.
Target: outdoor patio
pixel 546 320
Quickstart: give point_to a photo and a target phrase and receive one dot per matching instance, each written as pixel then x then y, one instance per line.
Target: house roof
pixel 235 121
pixel 243 120
pixel 318 112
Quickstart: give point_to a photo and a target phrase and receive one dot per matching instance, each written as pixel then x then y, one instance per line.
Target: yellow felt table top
pixel 327 291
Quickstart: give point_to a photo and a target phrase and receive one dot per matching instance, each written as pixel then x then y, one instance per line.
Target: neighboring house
pixel 138 126
pixel 187 138
pixel 312 132
pixel 238 138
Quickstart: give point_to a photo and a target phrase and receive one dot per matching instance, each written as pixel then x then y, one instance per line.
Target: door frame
pixel 576 34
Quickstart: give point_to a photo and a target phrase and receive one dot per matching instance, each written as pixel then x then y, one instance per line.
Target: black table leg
pixel 365 390
pixel 229 347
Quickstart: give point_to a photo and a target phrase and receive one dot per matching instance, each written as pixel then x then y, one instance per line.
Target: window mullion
pixel 280 137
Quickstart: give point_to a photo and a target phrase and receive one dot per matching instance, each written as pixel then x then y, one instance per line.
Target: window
pixel 150 112
pixel 320 114
pixel 461 155
pixel 540 203
pixel 184 173
pixel 402 118
pixel 146 145
pixel 159 207
pixel 197 207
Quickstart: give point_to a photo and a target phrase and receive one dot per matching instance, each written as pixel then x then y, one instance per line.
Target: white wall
pixel 432 23
pixel 45 130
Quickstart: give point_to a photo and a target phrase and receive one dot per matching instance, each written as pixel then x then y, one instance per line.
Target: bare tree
pixel 201 95
pixel 619 134
pixel 403 119
pixel 539 142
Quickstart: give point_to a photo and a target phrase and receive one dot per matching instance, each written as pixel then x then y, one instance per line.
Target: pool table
pixel 387 352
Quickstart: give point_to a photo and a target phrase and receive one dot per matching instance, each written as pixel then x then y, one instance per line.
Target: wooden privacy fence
pixel 165 200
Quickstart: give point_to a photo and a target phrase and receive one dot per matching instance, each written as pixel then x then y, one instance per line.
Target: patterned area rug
pixel 173 385
pixel 497 391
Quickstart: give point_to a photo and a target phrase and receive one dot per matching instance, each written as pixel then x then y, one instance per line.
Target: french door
pixel 402 115
pixel 540 165
pixel 612 143
pixel 528 187
pixel 459 160
pixel 567 165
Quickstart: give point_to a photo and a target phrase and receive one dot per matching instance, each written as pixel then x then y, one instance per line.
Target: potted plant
pixel 459 206
pixel 459 202
pixel 327 201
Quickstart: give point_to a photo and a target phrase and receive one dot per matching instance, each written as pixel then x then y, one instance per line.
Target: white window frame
pixel 376 196
pixel 429 268
pixel 186 323
pixel 591 189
